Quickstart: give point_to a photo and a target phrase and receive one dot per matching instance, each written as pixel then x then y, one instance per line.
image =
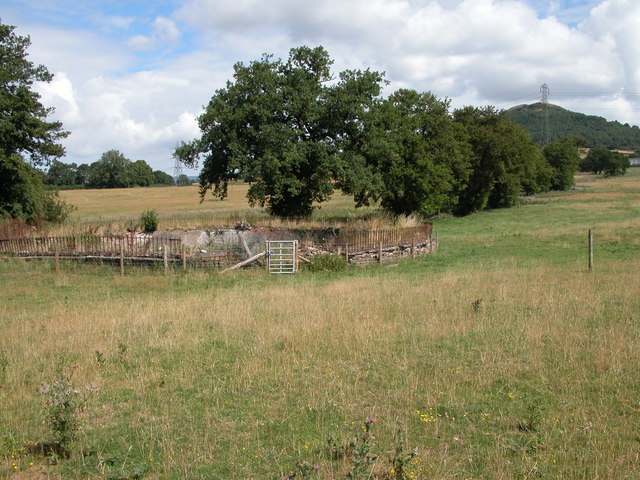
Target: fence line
pixel 91 245
pixel 366 239
pixel 147 247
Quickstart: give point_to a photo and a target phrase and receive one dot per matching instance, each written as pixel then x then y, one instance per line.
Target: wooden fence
pixel 149 248
pixel 90 245
pixel 356 240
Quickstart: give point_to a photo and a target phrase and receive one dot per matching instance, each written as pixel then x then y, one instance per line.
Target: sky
pixel 135 75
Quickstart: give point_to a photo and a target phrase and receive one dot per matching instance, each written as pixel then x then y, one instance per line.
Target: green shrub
pixel 326 263
pixel 149 220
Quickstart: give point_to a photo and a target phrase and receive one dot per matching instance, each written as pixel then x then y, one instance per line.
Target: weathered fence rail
pixel 356 240
pixel 106 246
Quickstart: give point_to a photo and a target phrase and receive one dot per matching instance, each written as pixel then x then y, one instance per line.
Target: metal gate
pixel 282 256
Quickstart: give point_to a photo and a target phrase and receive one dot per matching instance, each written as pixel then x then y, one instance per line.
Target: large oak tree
pixel 287 125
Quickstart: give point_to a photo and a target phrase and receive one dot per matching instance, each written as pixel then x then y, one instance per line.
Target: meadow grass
pixel 500 356
pixel 180 208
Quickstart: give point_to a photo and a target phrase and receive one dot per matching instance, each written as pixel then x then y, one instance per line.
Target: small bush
pixel 63 407
pixel 326 263
pixel 149 220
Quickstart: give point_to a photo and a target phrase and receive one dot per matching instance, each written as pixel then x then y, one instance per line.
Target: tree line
pixel 112 170
pixel 297 133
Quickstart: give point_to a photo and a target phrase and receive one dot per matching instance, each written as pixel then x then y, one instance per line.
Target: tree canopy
pixel 505 161
pixel 27 139
pixel 418 156
pixel 284 124
pixel 112 170
pixel 601 160
pixel 564 158
pixel 183 180
pixel 298 133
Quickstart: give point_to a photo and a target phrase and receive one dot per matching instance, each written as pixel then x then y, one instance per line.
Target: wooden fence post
pixel 57 260
pixel 380 251
pixel 184 258
pixel 165 259
pixel 122 257
pixel 413 248
pixel 590 249
pixel 346 252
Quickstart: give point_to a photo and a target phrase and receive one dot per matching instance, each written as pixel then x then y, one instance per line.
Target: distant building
pixel 634 161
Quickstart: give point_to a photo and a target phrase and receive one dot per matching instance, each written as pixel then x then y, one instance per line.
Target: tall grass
pixel 498 357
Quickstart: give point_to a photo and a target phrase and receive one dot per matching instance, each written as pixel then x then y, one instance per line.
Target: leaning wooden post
pixel 590 249
pixel 413 248
pixel 184 258
pixel 122 257
pixel 244 262
pixel 380 252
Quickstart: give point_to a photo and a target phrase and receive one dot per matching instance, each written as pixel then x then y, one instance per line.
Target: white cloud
pixel 79 53
pixel 485 51
pixel 472 51
pixel 141 42
pixel 165 32
pixel 60 94
pixel 617 22
pixel 119 22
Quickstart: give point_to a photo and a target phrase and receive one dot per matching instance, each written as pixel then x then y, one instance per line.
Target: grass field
pixel 498 357
pixel 180 207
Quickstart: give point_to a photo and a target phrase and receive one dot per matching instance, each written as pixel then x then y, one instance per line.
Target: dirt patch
pixel 35 472
pixel 597 196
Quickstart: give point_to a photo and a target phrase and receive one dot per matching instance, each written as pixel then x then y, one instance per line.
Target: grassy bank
pixel 498 357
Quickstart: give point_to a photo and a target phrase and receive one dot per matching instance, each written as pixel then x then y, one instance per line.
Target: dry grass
pixel 180 208
pixel 499 357
pixel 132 201
pixel 250 375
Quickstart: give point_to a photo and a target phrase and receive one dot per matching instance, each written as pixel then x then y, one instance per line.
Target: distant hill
pixel 597 131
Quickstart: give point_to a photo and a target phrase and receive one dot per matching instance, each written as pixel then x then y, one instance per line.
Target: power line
pixel 597 94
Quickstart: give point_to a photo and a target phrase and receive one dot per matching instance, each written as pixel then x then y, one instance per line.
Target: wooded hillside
pixel 597 131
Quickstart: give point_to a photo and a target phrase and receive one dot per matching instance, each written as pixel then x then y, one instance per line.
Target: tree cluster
pixel 27 139
pixel 298 133
pixel 112 170
pixel 601 160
